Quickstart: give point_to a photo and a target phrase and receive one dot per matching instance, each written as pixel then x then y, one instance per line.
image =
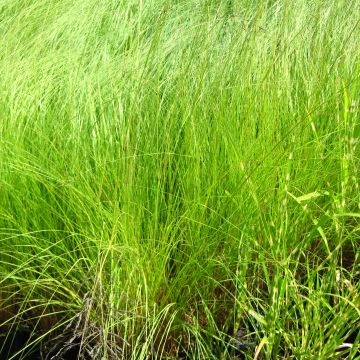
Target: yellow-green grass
pixel 174 171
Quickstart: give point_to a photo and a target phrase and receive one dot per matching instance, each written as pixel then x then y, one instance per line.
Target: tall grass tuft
pixel 180 179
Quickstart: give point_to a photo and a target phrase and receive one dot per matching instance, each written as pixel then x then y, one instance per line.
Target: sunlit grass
pixel 173 174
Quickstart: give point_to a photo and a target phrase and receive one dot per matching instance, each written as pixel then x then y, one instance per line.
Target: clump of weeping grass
pixel 175 174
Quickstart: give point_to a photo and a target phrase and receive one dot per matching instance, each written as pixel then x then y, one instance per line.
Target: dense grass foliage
pixel 180 178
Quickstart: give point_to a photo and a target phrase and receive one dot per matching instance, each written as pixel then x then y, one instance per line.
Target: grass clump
pixel 180 179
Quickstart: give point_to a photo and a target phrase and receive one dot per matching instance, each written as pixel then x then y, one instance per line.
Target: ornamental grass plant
pixel 179 179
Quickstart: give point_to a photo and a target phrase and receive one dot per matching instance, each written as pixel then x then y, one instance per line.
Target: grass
pixel 180 178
